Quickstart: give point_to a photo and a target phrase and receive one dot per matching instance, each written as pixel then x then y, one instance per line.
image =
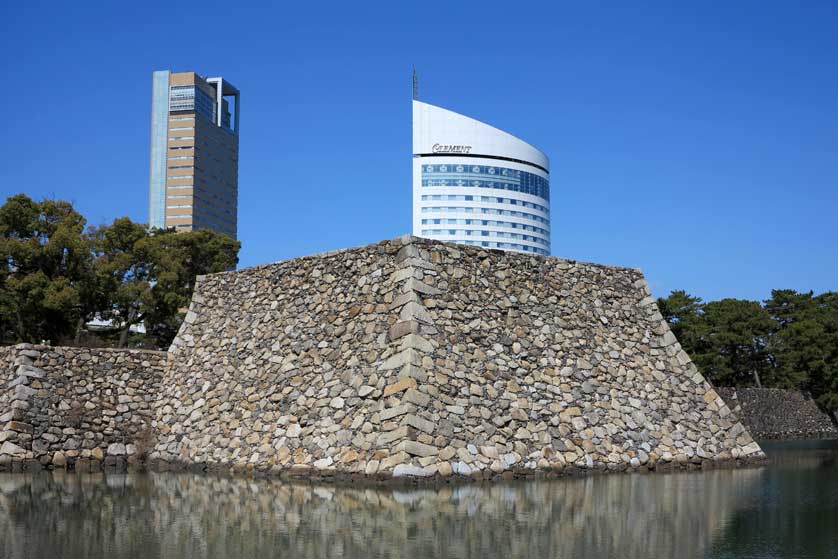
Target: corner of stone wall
pixel 25 378
pixel 737 437
pixel 406 441
pixel 39 427
pixel 182 338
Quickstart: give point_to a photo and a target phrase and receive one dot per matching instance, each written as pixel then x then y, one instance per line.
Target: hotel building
pixel 477 185
pixel 194 153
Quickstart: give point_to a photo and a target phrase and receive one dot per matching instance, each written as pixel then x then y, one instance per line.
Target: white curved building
pixel 477 185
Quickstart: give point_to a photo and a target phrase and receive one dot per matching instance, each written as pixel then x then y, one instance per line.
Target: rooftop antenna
pixel 415 84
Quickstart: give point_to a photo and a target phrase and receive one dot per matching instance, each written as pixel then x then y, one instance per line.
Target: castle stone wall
pixel 76 407
pixel 419 358
pixel 773 413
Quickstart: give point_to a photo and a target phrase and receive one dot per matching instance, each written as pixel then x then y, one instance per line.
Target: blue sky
pixel 697 141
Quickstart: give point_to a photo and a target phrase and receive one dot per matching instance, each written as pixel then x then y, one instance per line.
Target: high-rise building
pixel 477 185
pixel 194 153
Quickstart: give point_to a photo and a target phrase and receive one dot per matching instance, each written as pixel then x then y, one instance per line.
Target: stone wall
pixel 76 407
pixel 420 358
pixel 771 413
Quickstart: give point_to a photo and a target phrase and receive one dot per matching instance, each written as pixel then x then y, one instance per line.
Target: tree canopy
pixel 788 341
pixel 58 275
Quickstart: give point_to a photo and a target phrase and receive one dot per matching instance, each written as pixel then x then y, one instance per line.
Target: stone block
pixel 387 438
pixel 395 411
pixel 415 311
pixel 402 470
pixel 402 358
pixel 116 449
pixel 418 449
pixel 399 386
pixel 391 462
pixel 421 287
pixel 403 328
pixel 419 423
pixel 417 342
pixel 10 449
pixel 416 397
pixel 411 370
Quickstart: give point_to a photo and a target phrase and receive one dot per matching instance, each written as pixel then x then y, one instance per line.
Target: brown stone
pixel 399 386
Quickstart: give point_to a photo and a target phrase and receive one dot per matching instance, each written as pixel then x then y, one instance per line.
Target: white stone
pixel 116 449
pixel 11 449
pixel 462 468
pixel 409 470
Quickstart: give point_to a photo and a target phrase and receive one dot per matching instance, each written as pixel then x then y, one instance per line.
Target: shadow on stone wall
pixel 771 413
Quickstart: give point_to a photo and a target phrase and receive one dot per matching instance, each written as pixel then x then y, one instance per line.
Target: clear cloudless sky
pixel 695 140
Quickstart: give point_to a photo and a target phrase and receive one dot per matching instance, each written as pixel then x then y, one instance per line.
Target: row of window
pixel 224 196
pixel 217 200
pixel 226 150
pixel 190 98
pixel 228 227
pixel 205 154
pixel 205 199
pixel 495 234
pixel 486 176
pixel 486 222
pixel 208 175
pixel 485 211
pixel 206 213
pixel 490 199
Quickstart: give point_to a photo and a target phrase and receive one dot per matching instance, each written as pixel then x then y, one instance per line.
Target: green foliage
pixel 732 335
pixel 790 341
pixel 57 277
pixel 46 259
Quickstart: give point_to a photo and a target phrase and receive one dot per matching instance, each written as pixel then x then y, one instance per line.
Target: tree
pixel 683 313
pixel 726 339
pixel 177 259
pixel 795 347
pixel 56 277
pixel 150 277
pixel 824 385
pixel 123 269
pixel 804 345
pixel 46 261
pixel 732 338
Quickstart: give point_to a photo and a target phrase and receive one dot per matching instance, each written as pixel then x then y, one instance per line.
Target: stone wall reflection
pixel 170 515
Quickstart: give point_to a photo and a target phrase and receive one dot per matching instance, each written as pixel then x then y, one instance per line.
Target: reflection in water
pixel 728 513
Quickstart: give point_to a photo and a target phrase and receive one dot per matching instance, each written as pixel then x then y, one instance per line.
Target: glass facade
pixel 478 185
pixel 489 199
pixel 483 230
pixel 159 126
pixel 485 176
pixel 191 98
pixel 484 211
pixel 485 223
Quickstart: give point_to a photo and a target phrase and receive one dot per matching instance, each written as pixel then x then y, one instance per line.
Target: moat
pixel 786 509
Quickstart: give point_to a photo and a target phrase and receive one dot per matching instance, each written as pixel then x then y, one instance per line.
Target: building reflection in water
pixel 179 515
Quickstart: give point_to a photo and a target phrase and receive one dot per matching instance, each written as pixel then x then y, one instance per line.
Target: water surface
pixel 788 509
